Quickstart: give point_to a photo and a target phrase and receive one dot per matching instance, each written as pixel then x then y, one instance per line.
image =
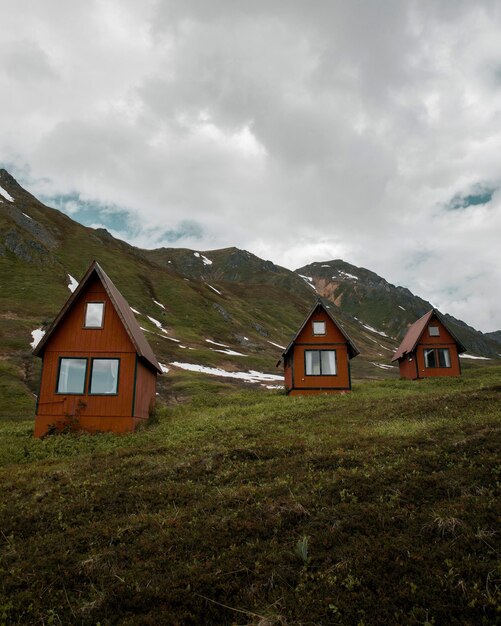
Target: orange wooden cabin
pixel 429 349
pixel 317 360
pixel 98 371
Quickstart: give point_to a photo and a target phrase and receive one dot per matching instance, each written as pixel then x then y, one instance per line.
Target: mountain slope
pixel 365 296
pixel 188 302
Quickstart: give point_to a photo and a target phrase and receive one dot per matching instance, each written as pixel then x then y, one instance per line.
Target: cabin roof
pixel 352 348
pixel 122 308
pixel 415 331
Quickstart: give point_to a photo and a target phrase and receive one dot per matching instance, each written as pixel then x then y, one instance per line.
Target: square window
pixel 319 328
pixel 320 362
pixel 434 331
pixel 71 377
pixel 104 376
pixel 94 312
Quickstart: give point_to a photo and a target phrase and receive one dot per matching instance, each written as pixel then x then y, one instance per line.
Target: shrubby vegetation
pixel 379 507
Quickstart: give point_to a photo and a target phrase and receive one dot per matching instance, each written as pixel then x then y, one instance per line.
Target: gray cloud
pixel 301 132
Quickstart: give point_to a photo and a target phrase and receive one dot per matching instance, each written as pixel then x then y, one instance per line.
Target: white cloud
pixel 300 133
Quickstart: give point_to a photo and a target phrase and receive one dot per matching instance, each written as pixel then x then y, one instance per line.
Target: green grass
pixel 376 507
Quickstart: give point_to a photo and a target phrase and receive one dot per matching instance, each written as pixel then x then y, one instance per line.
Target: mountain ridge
pixel 188 301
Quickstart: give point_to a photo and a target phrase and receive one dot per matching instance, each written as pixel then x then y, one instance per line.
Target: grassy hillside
pixel 228 296
pixel 374 508
pixel 40 247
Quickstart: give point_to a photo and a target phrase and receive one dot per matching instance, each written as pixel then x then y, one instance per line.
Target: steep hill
pixel 370 299
pixel 222 309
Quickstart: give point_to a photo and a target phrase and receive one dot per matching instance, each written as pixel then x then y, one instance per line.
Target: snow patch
pixel 6 194
pixel 214 289
pixel 135 311
pixel 373 330
pixel 158 303
pixel 325 266
pixel 401 307
pixel 37 335
pixel 159 335
pixel 252 376
pixel 170 338
pixel 164 368
pixel 277 345
pixel 154 321
pixel 73 283
pixel 384 366
pixel 385 348
pixel 205 260
pixel 341 273
pixel 471 356
pixel 308 280
pixel 215 343
pixel 26 215
pixel 229 351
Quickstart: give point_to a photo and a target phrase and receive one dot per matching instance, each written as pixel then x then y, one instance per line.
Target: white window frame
pixel 434 331
pixel 60 373
pixel 94 326
pixel 117 378
pixel 323 326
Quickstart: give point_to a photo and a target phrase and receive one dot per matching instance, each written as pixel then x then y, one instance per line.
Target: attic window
pixel 434 331
pixel 94 313
pixel 319 328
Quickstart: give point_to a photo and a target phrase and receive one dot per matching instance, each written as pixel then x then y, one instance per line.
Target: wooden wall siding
pixel 88 423
pixel 431 372
pixel 332 340
pixel 146 382
pixel 100 412
pixel 71 335
pixel 333 334
pixel 71 339
pixel 288 372
pixel 340 381
pixel 408 369
pixel 444 340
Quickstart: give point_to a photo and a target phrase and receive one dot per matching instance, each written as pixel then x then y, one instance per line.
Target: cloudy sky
pixel 300 131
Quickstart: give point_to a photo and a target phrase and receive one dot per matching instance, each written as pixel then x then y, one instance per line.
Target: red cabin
pixel 98 371
pixel 317 360
pixel 429 349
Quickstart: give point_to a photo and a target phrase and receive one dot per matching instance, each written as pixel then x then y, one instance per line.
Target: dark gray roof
pixel 122 308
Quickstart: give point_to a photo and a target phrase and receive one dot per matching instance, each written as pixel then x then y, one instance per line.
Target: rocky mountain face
pixel 224 312
pixel 367 297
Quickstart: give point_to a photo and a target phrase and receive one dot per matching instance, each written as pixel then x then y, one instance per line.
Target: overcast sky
pixel 300 131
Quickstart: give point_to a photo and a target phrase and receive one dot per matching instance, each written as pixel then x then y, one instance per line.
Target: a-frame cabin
pixel 429 349
pixel 98 371
pixel 317 360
